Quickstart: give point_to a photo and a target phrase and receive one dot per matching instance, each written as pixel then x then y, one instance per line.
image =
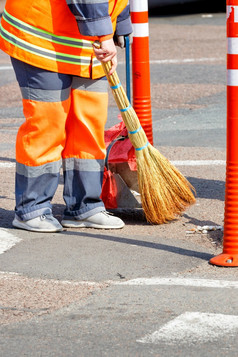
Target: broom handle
pixel 136 133
pixel 128 71
pixel 114 82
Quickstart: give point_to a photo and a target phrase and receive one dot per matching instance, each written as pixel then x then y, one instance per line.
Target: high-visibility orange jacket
pixel 57 35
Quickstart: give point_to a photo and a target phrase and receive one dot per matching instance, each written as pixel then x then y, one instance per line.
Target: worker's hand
pixel 120 40
pixel 107 52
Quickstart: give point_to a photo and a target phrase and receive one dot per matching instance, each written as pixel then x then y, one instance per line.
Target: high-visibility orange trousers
pixel 64 126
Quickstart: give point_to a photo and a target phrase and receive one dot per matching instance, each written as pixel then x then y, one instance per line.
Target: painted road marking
pixel 164 61
pixel 183 60
pixel 10 275
pixel 3 68
pixel 194 327
pixel 7 164
pixel 176 163
pixel 199 162
pixel 204 283
pixel 193 282
pixel 7 240
pixel 187 60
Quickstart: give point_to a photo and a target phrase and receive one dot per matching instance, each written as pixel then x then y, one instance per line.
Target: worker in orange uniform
pixel 65 99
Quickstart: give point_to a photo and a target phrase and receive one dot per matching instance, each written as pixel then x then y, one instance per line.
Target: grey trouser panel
pixel 37 184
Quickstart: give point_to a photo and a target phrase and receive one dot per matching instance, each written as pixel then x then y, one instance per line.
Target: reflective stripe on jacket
pixel 57 35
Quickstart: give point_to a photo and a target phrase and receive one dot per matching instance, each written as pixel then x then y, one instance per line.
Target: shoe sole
pixel 19 225
pixel 72 224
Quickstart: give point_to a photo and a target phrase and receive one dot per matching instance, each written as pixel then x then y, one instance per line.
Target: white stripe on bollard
pixel 140 30
pixel 232 77
pixel 229 10
pixel 232 45
pixel 138 5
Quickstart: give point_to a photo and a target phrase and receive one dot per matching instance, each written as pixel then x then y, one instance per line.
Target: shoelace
pixel 46 216
pixel 107 213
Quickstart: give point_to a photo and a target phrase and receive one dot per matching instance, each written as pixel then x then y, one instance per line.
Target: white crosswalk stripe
pixel 194 282
pixel 194 327
pixel 7 240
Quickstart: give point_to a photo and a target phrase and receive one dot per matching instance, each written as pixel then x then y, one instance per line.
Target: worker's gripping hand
pixel 107 52
pixel 120 40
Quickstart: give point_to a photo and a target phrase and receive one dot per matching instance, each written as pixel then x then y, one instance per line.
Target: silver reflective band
pixel 41 95
pixel 36 171
pixel 83 164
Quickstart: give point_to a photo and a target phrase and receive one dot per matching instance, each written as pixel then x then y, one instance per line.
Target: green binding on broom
pixel 165 192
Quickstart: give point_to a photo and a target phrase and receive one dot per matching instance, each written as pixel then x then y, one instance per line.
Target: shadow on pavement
pixel 210 189
pixel 141 243
pixel 6 217
pixel 3 158
pixel 202 6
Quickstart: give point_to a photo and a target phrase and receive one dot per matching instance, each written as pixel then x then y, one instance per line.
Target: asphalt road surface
pixel 144 290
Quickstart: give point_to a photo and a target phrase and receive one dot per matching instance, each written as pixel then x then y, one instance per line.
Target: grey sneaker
pixel 101 220
pixel 45 223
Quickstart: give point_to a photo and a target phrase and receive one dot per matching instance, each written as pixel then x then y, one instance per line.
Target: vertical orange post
pixel 229 257
pixel 141 65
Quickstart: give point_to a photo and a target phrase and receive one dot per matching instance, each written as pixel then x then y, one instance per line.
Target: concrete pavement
pixel 73 293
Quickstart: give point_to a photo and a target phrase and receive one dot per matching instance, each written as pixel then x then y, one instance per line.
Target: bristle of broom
pixel 165 192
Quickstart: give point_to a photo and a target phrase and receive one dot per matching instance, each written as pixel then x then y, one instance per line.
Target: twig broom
pixel 165 192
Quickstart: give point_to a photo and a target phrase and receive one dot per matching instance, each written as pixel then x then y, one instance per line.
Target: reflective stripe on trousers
pixel 65 120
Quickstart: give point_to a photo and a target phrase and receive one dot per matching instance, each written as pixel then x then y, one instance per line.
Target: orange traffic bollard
pixel 141 65
pixel 229 257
